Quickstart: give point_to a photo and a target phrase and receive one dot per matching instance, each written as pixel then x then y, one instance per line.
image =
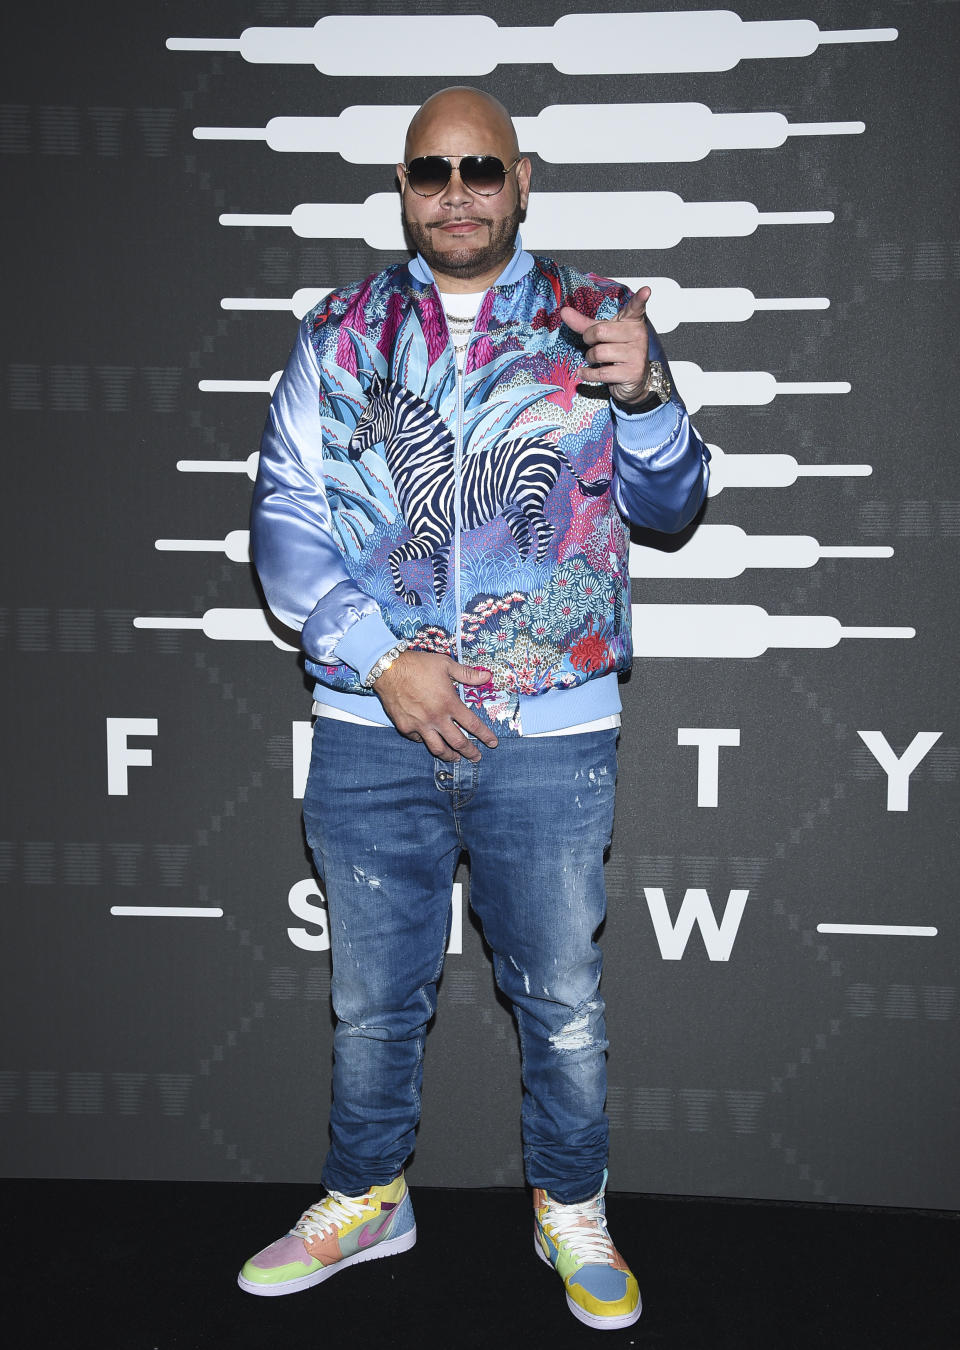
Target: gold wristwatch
pixel 658 383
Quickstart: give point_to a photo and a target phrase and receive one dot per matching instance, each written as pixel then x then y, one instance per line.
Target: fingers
pixel 440 749
pixel 481 732
pixel 574 319
pixel 612 364
pixel 634 310
pixel 472 675
pixel 636 306
pixel 615 374
pixel 447 740
pixel 616 354
pixel 461 720
pixel 620 329
pixel 625 332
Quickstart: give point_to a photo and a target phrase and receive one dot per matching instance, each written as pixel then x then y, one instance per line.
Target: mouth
pixel 458 226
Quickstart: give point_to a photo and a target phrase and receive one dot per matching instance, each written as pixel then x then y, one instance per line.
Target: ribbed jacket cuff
pixel 364 642
pixel 648 431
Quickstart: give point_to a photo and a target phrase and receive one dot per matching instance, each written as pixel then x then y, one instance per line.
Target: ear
pixel 402 176
pixel 523 171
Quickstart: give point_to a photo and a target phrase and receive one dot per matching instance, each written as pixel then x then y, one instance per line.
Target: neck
pixel 517 264
pixel 448 285
pixel 455 283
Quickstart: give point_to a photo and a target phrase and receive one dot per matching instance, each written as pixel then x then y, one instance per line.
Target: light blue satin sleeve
pixel 294 550
pixel 660 471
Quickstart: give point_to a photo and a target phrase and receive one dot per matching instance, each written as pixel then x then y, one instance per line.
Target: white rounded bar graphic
pixel 716 551
pixel 167 911
pixel 669 306
pixel 737 631
pixel 577 44
pixel 721 551
pixel 223 625
pixel 248 466
pixel 878 929
pixel 699 388
pixel 361 134
pixel 730 470
pixel 568 133
pixel 658 630
pixel 240 386
pixel 727 470
pixel 741 388
pixel 236 546
pixel 555 220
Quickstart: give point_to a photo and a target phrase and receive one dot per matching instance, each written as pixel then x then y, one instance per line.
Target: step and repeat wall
pixel 183 182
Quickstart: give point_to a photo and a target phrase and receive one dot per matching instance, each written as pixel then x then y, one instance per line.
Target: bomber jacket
pixel 482 516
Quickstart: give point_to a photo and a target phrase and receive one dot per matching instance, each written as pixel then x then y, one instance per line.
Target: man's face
pixel 466 237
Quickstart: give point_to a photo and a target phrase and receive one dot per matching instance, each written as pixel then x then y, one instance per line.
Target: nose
pixel 455 193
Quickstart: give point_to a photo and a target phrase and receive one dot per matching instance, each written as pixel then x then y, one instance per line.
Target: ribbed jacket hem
pixel 552 711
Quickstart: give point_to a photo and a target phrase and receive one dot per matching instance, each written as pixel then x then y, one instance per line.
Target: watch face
pixel 659 383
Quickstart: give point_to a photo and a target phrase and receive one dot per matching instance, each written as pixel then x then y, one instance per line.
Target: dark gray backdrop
pixel 774 1059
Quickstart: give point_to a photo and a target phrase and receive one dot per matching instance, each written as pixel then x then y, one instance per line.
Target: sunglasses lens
pixel 482 173
pixel 428 175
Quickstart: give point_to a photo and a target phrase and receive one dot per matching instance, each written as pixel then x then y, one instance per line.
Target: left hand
pixel 616 348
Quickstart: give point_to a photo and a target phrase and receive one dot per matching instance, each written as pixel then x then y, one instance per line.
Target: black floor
pixel 152 1266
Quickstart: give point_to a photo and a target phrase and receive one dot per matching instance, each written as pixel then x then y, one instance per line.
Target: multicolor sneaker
pixel 338 1231
pixel 601 1288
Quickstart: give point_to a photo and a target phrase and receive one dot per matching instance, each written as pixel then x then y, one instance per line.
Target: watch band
pixel 649 404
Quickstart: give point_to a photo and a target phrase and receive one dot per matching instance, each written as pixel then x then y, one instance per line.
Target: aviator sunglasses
pixel 483 174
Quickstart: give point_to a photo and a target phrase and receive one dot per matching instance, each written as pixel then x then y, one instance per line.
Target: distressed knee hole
pixel 579 1032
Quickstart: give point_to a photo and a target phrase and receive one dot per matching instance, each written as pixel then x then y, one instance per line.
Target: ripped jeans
pixel 386 823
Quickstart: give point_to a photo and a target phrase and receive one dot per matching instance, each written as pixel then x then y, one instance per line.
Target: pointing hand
pixel 616 349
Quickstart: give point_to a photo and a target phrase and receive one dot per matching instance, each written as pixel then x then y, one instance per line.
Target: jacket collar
pixel 519 265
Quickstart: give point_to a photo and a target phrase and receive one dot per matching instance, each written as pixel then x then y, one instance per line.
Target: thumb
pixel 636 306
pixel 472 675
pixel 575 320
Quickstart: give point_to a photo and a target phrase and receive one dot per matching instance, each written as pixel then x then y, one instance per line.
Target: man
pixel 444 477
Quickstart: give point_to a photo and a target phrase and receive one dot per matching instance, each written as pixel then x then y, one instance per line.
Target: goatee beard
pixel 470 260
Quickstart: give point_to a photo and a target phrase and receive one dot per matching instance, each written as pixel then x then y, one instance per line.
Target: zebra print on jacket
pixel 511 479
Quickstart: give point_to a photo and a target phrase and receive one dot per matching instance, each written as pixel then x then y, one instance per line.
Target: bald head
pixel 460 110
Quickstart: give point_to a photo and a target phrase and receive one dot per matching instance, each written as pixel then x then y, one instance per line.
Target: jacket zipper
pixel 458 469
pixel 457 506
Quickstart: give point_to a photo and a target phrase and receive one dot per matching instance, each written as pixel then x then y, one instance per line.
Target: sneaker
pixel 338 1231
pixel 601 1288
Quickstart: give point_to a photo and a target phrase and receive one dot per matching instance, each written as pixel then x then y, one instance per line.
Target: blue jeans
pixel 386 823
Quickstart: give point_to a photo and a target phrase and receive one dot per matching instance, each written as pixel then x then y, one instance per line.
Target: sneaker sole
pixel 589 1319
pixel 392 1247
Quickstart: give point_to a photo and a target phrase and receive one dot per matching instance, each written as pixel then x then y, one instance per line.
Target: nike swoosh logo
pixel 370 1235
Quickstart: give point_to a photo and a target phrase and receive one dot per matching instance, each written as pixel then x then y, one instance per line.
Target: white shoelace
pixel 583 1227
pixel 334 1211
